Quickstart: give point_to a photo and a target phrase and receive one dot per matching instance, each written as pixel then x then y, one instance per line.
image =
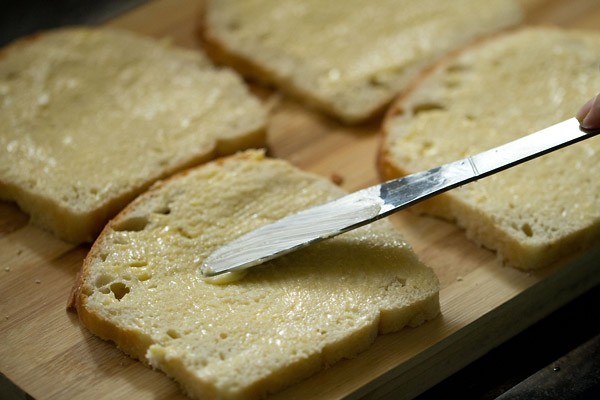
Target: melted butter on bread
pixel 140 285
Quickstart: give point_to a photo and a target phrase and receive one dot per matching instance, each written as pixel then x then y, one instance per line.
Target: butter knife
pixel 367 205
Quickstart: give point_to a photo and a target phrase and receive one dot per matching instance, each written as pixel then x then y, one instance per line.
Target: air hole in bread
pixel 119 289
pixel 452 77
pixel 173 334
pixel 184 233
pixel 395 283
pixel 144 276
pixel 164 210
pixel 133 224
pixel 397 112
pixel 138 264
pixel 10 75
pixel 527 230
pixel 103 280
pixel 426 147
pixel 376 81
pixel 457 68
pixel 426 107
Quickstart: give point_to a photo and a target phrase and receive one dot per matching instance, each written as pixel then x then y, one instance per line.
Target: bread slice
pixel 349 58
pixel 507 87
pixel 140 284
pixel 89 118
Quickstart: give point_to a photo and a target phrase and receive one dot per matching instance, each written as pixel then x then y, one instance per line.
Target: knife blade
pixel 367 205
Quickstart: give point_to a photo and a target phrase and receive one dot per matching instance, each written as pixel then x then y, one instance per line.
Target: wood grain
pixel 45 351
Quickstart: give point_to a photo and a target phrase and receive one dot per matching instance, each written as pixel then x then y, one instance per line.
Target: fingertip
pixel 584 110
pixel 591 119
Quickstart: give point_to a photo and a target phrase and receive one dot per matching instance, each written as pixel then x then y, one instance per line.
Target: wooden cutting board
pixel 45 351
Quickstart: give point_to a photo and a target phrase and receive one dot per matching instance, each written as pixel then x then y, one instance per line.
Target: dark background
pixel 21 17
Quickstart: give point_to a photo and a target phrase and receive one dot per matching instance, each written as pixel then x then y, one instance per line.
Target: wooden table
pixel 45 351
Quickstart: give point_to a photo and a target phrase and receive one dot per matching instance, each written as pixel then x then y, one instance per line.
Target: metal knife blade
pixel 367 205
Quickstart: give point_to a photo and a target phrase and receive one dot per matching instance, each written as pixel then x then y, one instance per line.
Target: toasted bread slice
pixel 504 88
pixel 89 118
pixel 140 285
pixel 348 58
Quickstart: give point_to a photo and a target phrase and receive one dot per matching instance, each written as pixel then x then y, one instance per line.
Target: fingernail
pixel 584 110
pixel 592 118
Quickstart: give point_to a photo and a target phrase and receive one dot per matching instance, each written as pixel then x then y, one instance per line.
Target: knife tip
pixel 210 275
pixel 206 271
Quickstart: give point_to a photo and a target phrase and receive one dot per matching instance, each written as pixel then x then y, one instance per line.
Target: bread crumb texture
pixel 283 321
pixel 347 57
pixel 90 117
pixel 507 87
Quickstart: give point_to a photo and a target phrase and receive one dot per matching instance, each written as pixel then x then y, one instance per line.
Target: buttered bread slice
pixel 140 285
pixel 491 94
pixel 89 118
pixel 349 58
